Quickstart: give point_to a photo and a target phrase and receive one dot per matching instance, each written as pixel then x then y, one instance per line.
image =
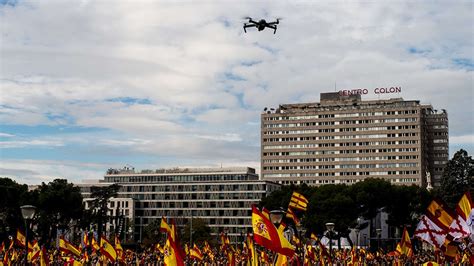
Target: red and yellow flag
pixel 298 202
pixel 35 252
pixel 439 213
pixel 119 249
pixel 67 247
pixel 171 254
pixel 291 215
pixel 107 249
pixel 44 259
pixel 20 238
pixel 405 247
pixel 264 232
pixel 196 253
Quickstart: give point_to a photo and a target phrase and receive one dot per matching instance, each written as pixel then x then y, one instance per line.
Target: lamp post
pixel 130 231
pixel 330 228
pixel 276 216
pixel 379 234
pixel 28 212
pixel 357 230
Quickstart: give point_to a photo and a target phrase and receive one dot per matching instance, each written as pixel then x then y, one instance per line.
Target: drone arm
pixel 248 26
pixel 274 27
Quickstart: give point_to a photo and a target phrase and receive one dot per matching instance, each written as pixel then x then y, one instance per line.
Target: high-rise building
pixel 343 139
pixel 222 197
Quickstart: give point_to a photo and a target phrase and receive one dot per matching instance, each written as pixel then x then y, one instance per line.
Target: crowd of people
pixel 227 254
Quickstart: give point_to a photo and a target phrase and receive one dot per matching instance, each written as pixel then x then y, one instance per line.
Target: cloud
pixel 466 139
pixel 6 135
pixel 37 171
pixel 181 82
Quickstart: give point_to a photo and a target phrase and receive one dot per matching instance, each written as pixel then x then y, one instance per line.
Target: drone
pixel 261 24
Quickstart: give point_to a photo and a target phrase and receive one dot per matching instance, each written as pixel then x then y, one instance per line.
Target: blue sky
pixel 89 85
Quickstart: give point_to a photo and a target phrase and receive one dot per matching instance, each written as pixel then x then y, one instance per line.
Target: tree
pixel 12 196
pixel 371 195
pixel 59 203
pixel 152 234
pixel 458 177
pixel 331 203
pixel 101 196
pixel 200 231
pixel 406 204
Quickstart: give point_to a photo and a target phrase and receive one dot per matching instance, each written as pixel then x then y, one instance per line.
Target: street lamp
pixel 357 230
pixel 330 228
pixel 276 216
pixel 130 231
pixel 28 212
pixel 379 234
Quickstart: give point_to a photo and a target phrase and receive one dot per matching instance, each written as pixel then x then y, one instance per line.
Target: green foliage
pixel 152 234
pixel 12 196
pixel 343 204
pixel 58 204
pixel 101 196
pixel 201 231
pixel 458 177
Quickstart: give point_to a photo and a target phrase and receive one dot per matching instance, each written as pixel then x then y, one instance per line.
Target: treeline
pixel 343 204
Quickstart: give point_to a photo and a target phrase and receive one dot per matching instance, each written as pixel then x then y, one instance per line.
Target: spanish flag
pixel 405 247
pixel 264 232
pixel 298 202
pixel 282 260
pixel 286 248
pixel 119 249
pixel 196 253
pixel 171 254
pixel 67 247
pixel 20 238
pixel 107 249
pixel 267 235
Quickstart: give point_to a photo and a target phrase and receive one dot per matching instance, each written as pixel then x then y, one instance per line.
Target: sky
pixel 91 85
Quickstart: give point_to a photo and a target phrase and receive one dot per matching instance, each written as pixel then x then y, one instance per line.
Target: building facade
pixel 343 139
pixel 222 197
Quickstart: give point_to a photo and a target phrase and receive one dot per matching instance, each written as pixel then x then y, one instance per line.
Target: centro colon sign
pixel 366 91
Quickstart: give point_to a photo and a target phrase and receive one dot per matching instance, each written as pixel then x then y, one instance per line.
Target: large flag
pixel 107 249
pixel 67 247
pixel 196 253
pixel 264 232
pixel 164 226
pixel 430 232
pixel 281 260
pixel 440 214
pixel 286 247
pixel 405 247
pixel 171 254
pixel 298 202
pixel 267 235
pixel 20 238
pixel 461 226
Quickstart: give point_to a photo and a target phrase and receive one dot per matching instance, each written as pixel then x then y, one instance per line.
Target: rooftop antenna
pixel 335 86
